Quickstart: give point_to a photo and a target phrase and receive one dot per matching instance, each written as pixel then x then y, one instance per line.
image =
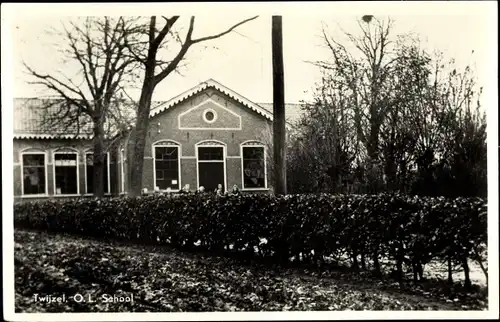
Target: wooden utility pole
pixel 279 145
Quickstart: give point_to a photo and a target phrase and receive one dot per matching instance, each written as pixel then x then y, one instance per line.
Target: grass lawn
pixel 160 279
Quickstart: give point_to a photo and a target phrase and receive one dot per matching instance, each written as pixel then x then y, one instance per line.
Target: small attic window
pixel 209 116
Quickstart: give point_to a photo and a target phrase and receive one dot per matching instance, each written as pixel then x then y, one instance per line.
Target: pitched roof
pixel 218 86
pixel 29 113
pixel 293 111
pixel 30 120
pixel 36 118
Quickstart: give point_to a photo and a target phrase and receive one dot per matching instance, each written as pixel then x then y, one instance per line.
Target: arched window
pixel 211 164
pixel 167 165
pixel 66 173
pixel 34 178
pixel 253 165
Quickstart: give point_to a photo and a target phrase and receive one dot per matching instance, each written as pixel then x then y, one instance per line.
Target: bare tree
pixel 326 139
pixel 462 135
pixel 410 79
pixel 416 115
pixel 155 71
pixel 365 74
pixel 89 99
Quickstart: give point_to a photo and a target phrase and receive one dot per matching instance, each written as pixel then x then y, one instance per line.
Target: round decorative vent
pixel 209 116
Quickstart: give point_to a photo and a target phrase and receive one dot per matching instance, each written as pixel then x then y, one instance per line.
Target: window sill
pixel 32 196
pixel 161 191
pixel 255 189
pixel 57 196
pixel 91 194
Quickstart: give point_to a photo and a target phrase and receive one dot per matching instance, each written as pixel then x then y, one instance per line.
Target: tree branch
pixel 187 44
pixel 57 85
pixel 194 41
pixel 169 23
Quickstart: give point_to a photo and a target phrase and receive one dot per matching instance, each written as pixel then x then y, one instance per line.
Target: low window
pixel 254 171
pixel 66 173
pixel 89 171
pixel 34 174
pixel 167 167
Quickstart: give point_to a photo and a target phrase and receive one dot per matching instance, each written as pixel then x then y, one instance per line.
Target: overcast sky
pixel 242 60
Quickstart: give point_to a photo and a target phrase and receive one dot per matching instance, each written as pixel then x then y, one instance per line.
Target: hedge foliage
pixel 407 229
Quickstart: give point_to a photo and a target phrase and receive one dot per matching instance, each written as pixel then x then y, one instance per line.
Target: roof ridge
pixel 218 86
pixel 26 117
pixel 294 103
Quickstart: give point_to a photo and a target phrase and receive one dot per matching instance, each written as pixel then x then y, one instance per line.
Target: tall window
pixel 166 161
pixel 211 166
pixel 66 173
pixel 34 180
pixel 122 169
pixel 89 172
pixel 254 167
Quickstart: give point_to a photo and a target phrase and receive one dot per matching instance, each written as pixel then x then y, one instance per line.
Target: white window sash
pixel 167 145
pixel 23 166
pixel 66 163
pixel 253 145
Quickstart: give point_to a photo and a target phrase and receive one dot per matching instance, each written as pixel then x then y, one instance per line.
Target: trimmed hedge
pixel 409 230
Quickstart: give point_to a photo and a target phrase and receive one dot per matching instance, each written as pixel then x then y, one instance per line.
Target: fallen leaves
pixel 171 281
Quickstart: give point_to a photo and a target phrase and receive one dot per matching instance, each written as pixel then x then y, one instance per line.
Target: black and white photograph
pixel 250 161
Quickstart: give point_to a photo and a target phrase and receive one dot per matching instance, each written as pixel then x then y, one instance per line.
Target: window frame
pixel 253 144
pixel 167 144
pixel 45 165
pixel 209 144
pixel 107 166
pixel 122 170
pixel 209 110
pixel 61 151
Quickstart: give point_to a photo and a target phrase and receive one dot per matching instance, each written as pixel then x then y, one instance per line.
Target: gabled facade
pixel 206 136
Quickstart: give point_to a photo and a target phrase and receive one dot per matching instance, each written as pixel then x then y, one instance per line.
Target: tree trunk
pixel 372 147
pixel 465 264
pixel 481 264
pixel 417 262
pixel 415 276
pixel 363 261
pixel 355 265
pixel 98 159
pixel 138 138
pixel 484 269
pixel 450 272
pixel 390 172
pixel 418 269
pixel 399 270
pixel 278 108
pixel 376 264
pixel 399 263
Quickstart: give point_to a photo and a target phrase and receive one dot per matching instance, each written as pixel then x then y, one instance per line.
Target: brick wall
pixel 165 126
pixel 49 146
pixel 234 124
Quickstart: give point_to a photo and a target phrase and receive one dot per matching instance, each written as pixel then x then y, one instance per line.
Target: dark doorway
pixel 211 167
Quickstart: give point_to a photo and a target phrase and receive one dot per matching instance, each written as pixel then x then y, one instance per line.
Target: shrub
pixel 409 230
